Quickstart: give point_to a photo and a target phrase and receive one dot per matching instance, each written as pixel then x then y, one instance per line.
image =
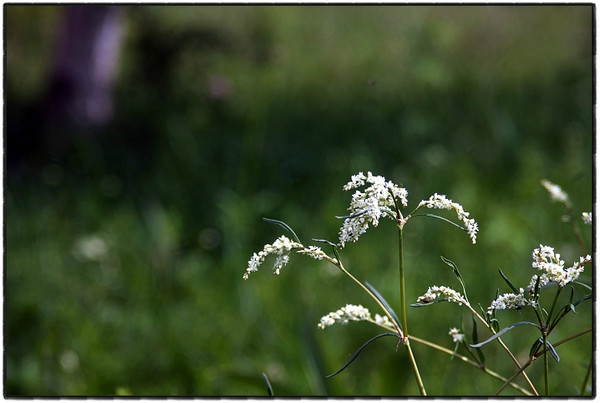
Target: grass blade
pixel 552 351
pixel 383 301
pixel 267 384
pixel 475 337
pixel 457 274
pixel 359 351
pixel 501 332
pixel 512 287
pixel 283 225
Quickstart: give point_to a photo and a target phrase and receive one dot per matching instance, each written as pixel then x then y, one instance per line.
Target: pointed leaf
pixel 501 332
pixel 512 287
pixel 475 338
pixel 568 308
pixel 439 218
pixel 267 384
pixel 552 351
pixel 571 296
pixel 457 274
pixel 583 284
pixel 580 300
pixel 422 304
pixel 343 217
pixel 359 351
pixel 383 301
pixel 283 225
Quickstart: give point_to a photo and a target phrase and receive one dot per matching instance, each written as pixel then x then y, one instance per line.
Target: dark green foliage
pixel 478 103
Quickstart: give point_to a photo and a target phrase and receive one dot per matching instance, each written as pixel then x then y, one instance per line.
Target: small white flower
pixel 441 202
pixel 457 336
pixel 90 248
pixel 586 217
pixel 556 193
pixel 509 301
pixel 368 206
pixel 435 291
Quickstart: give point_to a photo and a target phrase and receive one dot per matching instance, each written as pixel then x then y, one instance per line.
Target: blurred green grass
pixel 475 102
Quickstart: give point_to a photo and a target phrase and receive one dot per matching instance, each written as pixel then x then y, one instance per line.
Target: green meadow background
pixel 124 258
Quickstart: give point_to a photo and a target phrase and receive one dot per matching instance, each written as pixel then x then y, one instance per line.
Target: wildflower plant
pixel 374 199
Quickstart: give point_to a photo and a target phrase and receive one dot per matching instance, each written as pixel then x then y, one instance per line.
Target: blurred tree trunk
pixel 84 71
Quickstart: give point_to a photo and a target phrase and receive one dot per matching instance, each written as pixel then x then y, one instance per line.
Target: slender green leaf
pixel 580 300
pixel 457 274
pixel 585 285
pixel 422 304
pixel 383 301
pixel 512 287
pixel 283 225
pixel 571 296
pixel 568 308
pixel 343 217
pixel 552 351
pixel 501 332
pixel 267 384
pixel 475 338
pixel 325 241
pixel 439 218
pixel 334 246
pixel 359 351
pixel 455 350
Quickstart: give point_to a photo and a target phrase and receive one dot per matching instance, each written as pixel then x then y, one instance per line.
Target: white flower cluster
pixel 509 301
pixel 315 252
pixel 281 248
pixel 344 315
pixel 457 336
pixel 544 259
pixel 586 217
pixel 556 193
pixel 368 206
pixel 354 313
pixel 435 291
pixel 441 202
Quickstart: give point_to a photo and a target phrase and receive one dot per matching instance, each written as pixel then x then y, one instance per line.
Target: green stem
pixel 546 381
pixel 402 283
pixel 553 305
pixel 403 313
pixel 416 369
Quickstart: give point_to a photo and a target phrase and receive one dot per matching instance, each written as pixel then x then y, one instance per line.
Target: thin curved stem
pixel 471 362
pixel 505 347
pixel 536 355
